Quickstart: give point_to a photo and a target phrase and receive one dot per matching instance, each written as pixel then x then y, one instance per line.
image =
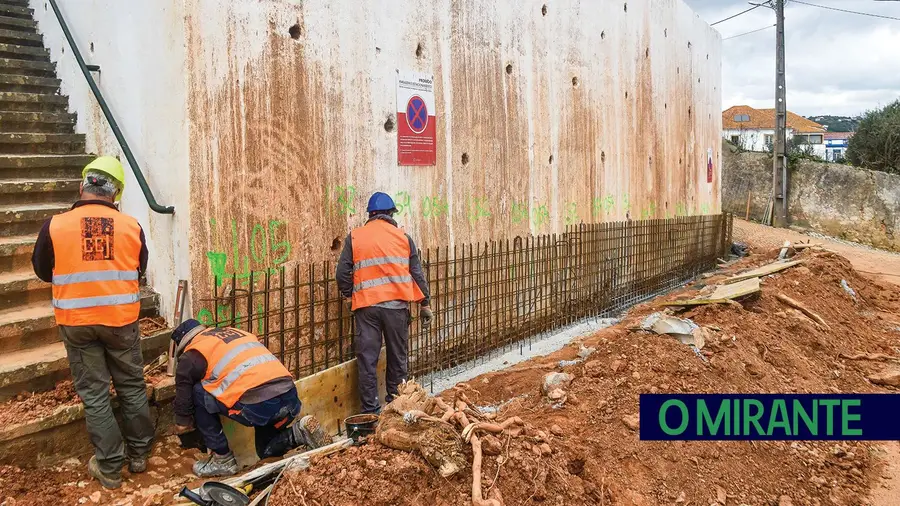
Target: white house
pixel 754 130
pixel 836 144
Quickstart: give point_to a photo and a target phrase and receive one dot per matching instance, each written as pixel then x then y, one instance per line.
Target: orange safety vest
pixel 381 265
pixel 235 363
pixel 97 256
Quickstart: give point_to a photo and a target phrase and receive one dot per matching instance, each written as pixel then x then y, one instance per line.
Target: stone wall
pixel 837 200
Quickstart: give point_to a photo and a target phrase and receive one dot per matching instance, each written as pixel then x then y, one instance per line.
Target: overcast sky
pixel 837 63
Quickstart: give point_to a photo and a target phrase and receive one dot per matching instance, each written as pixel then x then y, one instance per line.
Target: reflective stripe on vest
pixel 96 253
pixel 372 283
pixel 381 265
pixel 84 277
pixel 236 362
pixel 104 300
pixel 237 372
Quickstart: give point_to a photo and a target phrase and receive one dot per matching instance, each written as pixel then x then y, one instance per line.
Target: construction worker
pixel 380 272
pixel 94 255
pixel 228 372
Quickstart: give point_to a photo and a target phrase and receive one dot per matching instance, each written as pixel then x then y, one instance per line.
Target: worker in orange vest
pixel 228 372
pixel 94 255
pixel 380 272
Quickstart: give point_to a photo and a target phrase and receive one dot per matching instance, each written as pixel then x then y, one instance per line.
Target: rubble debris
pixel 888 377
pixel 784 250
pixel 763 271
pixel 684 330
pixel 556 381
pixel 739 249
pixel 720 294
pixel 870 356
pixel 796 305
pixel 850 291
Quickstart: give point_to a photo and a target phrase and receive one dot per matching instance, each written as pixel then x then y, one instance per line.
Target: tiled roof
pixel 838 135
pixel 765 119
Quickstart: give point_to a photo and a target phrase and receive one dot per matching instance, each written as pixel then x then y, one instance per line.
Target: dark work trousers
pixel 270 420
pixel 96 353
pixel 371 323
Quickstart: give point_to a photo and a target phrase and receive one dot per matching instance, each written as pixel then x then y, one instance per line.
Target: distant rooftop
pixel 764 119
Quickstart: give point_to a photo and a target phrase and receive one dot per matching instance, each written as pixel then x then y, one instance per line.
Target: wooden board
pixel 330 395
pixel 722 294
pixel 762 271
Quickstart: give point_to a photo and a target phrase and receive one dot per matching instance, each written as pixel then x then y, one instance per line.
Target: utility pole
pixel 779 160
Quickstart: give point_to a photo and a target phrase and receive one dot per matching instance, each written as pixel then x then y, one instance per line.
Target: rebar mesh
pixel 485 296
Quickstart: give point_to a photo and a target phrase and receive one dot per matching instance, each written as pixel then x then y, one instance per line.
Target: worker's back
pixel 96 253
pixel 381 272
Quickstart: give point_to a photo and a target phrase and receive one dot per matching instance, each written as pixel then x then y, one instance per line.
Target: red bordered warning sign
pixel 416 125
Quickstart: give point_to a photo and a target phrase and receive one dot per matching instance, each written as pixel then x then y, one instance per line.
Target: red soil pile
pixel 595 456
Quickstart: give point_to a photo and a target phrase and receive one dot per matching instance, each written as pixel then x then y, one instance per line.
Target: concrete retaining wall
pixel 264 121
pixel 841 201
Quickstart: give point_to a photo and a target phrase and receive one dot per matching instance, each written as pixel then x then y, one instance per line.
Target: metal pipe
pixel 135 168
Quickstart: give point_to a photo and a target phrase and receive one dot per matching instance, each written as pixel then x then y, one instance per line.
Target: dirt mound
pixel 595 456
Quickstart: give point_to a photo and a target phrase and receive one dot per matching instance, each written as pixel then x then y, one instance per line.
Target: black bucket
pixel 360 426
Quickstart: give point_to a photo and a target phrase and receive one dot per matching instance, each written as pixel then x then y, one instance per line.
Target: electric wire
pixel 845 10
pixel 748 33
pixel 736 15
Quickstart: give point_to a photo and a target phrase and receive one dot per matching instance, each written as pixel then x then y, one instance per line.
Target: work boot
pixel 137 465
pixel 309 432
pixel 216 465
pixel 106 480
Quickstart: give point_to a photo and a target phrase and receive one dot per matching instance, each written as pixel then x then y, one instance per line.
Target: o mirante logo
pixel 769 416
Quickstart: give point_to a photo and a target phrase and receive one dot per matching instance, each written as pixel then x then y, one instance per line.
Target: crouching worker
pixel 228 372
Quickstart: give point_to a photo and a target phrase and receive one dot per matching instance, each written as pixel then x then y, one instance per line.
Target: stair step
pixel 43 362
pixel 17 24
pixel 15 10
pixel 20 38
pixel 13 66
pixel 20 191
pixel 21 219
pixel 17 3
pixel 32 102
pixel 29 84
pixel 22 287
pixel 33 161
pixel 37 121
pixel 20 52
pixel 15 252
pixel 41 143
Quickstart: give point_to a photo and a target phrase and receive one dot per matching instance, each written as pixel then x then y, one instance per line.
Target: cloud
pixel 837 63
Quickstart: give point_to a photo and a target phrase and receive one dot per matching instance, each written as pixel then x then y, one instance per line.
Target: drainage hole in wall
pixel 509 68
pixel 665 32
pixel 626 94
pixel 689 112
pixel 575 81
pixel 295 31
pixel 626 6
pixel 647 53
pixel 465 158
pixel 689 44
pixel 389 124
pixel 551 159
pixel 544 10
pixel 420 50
pixel 602 35
pixel 666 105
pixel 92 47
pixel 336 244
pixel 603 157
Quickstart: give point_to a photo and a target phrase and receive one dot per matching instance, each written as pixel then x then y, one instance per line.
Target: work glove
pixel 427 316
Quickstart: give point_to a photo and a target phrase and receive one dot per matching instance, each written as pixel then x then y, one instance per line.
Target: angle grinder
pixel 213 493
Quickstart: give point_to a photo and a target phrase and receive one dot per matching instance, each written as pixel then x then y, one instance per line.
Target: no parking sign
pixel 416 125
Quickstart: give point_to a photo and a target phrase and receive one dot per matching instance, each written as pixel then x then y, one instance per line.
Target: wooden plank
pixel 723 294
pixel 762 271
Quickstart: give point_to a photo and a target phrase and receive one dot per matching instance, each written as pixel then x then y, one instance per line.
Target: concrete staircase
pixel 41 158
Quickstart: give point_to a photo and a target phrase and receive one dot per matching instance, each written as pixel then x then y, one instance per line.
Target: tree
pixel 876 144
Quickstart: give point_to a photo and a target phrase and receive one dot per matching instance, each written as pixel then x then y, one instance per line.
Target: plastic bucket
pixel 359 426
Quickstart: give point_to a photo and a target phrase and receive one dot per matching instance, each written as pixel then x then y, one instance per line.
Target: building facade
pixel 754 130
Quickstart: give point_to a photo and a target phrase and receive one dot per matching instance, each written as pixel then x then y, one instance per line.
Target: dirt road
pixel 882 264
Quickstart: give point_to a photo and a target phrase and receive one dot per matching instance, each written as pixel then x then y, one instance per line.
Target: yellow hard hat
pixel 112 167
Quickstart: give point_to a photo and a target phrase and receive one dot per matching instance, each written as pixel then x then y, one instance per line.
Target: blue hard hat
pixel 381 202
pixel 185 327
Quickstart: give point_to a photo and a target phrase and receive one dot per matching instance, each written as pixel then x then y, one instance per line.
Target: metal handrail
pixel 135 168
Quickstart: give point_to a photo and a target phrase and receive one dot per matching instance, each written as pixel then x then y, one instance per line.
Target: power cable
pixel 845 10
pixel 748 33
pixel 736 15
